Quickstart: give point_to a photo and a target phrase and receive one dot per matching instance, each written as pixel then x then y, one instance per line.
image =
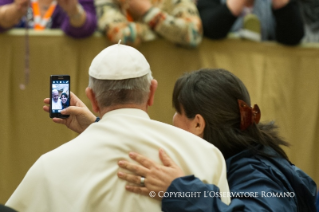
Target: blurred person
pixel 64 100
pixel 6 209
pixel 259 173
pixel 310 14
pixel 77 18
pixel 56 101
pixel 81 174
pixel 278 20
pixel 136 21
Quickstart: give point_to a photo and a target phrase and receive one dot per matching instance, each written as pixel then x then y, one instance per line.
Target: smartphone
pixel 59 95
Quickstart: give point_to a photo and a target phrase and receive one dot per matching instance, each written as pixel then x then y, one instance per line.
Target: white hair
pixel 127 91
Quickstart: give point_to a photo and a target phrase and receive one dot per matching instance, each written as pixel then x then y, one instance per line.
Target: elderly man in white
pixel 56 101
pixel 81 175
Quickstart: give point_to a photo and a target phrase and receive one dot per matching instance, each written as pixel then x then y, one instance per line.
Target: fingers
pixel 136 169
pixel 72 110
pixel 46 108
pixel 138 190
pixel 75 101
pixel 59 121
pixel 22 6
pixel 74 98
pixel 24 3
pixel 130 178
pixel 46 101
pixel 166 160
pixel 144 161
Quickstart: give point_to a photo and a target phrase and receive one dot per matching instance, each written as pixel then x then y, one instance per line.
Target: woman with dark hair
pixel 215 105
pixel 64 100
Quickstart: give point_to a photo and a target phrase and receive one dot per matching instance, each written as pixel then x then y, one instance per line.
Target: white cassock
pixel 81 175
pixel 56 105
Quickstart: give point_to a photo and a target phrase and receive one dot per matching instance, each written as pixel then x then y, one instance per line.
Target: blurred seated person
pixel 279 20
pixel 64 100
pixel 136 21
pixel 310 15
pixel 77 18
pixel 6 209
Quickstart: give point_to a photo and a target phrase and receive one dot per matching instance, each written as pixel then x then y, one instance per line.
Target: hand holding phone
pixel 80 116
pixel 59 95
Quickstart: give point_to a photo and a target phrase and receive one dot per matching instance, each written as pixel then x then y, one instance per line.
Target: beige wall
pixel 283 81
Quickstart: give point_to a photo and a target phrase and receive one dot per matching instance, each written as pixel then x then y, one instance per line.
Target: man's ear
pixel 90 94
pixel 198 125
pixel 151 95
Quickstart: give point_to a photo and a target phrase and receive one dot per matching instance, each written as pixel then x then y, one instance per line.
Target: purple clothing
pixel 61 20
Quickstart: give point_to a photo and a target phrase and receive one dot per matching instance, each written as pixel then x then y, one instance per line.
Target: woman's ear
pixel 198 125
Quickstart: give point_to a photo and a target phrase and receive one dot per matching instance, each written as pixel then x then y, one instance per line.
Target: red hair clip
pixel 248 115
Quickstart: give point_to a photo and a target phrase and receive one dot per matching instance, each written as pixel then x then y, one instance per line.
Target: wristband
pixel 97 119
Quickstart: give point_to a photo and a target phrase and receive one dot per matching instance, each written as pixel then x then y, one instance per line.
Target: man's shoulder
pixel 169 127
pixel 61 151
pixel 142 125
pixel 125 130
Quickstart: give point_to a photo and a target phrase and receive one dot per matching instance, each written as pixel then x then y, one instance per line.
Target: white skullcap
pixel 118 62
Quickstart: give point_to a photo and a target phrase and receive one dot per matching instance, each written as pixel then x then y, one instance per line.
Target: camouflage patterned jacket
pixel 175 20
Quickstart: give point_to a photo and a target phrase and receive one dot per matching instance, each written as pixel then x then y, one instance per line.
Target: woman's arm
pixel 250 187
pixel 11 12
pixel 80 20
pixel 255 194
pixel 183 197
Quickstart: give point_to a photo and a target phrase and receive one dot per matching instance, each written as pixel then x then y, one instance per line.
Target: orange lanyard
pixel 41 22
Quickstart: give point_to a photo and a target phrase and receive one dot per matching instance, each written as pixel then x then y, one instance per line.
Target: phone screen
pixel 60 95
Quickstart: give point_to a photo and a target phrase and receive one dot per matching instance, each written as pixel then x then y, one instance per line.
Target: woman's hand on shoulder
pixel 157 177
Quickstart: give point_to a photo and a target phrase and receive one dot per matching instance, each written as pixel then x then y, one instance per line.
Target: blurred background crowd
pixel 182 22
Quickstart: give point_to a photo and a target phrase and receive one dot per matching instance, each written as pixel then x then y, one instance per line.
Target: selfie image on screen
pixel 60 95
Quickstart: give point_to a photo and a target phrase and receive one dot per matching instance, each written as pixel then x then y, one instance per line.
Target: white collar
pixel 126 111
